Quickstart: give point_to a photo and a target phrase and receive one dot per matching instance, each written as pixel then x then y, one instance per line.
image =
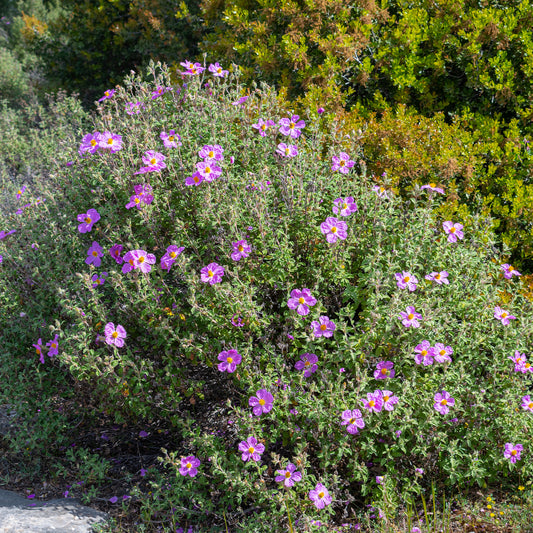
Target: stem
pixel 225 523
pixel 289 516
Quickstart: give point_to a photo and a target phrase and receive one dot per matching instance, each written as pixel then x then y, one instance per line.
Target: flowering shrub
pixel 231 297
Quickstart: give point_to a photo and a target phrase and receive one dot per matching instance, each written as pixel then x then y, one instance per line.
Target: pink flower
pixel 381 191
pixel 251 449
pixel 389 400
pixel 109 141
pixel 208 170
pixel 373 402
pixel 503 315
pixel 39 350
pixel 353 420
pixel 142 260
pixel 344 207
pixel 193 69
pixel 53 346
pixel 154 162
pixel 384 370
pixel 301 300
pixel 108 94
pixel 240 249
pixel 134 108
pixel 160 91
pixel 94 254
pixel 308 363
pixel 263 126
pixel 519 359
pixel 195 179
pixel 512 451
pixel 212 273
pixel 142 196
pixel 230 359
pixel 406 280
pixel 334 229
pixel 114 336
pixel 323 327
pixel 170 256
pixel 98 280
pixel 454 231
pixel 433 187
pixel 287 150
pixel 442 353
pixel 262 402
pixel 342 163
pixel 442 402
pixel 289 476
pixel 89 143
pixel 87 220
pixel 218 71
pixel 527 403
pixel 21 191
pixel 212 153
pixel 115 253
pixel 410 317
pixel 320 496
pixel 509 271
pixel 424 354
pixel 189 466
pixel 170 139
pixel 291 126
pixel 439 277
pixel 240 101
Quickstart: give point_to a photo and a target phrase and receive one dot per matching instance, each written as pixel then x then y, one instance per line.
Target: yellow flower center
pixel 292 125
pixel 38 351
pixel 510 268
pixel 196 179
pixel 114 334
pixel 93 142
pixel 442 352
pixel 321 495
pixel 240 248
pixel 110 141
pixel 210 273
pixel 287 151
pixel 137 200
pixel 172 254
pixel 261 402
pixel 251 450
pixel 130 262
pixel 504 314
pixel 141 259
pixel 385 398
pixel 352 420
pixel 333 229
pixel 381 189
pixel 287 475
pixel 323 327
pixel 263 127
pixel 342 163
pixel 406 279
pixel 88 220
pixel 371 403
pixel 307 363
pixel 410 316
pixel 514 452
pixel 437 276
pixel 229 360
pixel 345 205
pixel 423 353
pixel 384 371
pixel 219 70
pixel 19 192
pixel 444 401
pixel 530 405
pixel 207 170
pixel 432 185
pixel 452 230
pixel 95 253
pixel 188 465
pixel 171 138
pixel 301 300
pixel 54 345
pixel 211 154
pixel 153 161
pixel 193 70
pixel 527 365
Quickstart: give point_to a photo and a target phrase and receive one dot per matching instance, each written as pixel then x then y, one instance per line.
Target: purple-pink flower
pixel 142 196
pixel 251 449
pixel 170 256
pixel 442 402
pixel 454 231
pixel 89 143
pixel 442 353
pixel 289 476
pixel 229 360
pixel 109 141
pixel 53 346
pixel 115 253
pixel 195 179
pixel 141 260
pixel 212 152
pixel 193 69
pixel 353 420
pixel 406 280
pixel 308 363
pixel 509 271
pixel 320 496
pixel 39 350
pixel 439 277
pixel 154 161
pixel 209 170
pixel 373 401
pixel 291 126
pixel 160 91
pixel 134 108
pixel 504 316
pixel 344 207
pixel 115 335
pixel 21 191
pixel 384 370
pixel 98 280
pixel 342 163
pixel 262 126
pixel 381 191
pixel 189 466
pixel 520 361
pixel 94 253
pixel 212 273
pixel 527 403
pixel 512 451
pixel 301 300
pixel 424 353
pixel 262 402
pixel 287 150
pixel 240 249
pixel 334 229
pixel 410 317
pixel 170 139
pixel 433 187
pixel 107 94
pixel 389 400
pixel 218 71
pixel 323 327
pixel 87 220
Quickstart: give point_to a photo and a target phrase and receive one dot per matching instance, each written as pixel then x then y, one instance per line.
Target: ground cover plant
pixel 315 343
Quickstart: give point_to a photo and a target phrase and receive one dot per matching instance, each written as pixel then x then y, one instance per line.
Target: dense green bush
pixel 177 325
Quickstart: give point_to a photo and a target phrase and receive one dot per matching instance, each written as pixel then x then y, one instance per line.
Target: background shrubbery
pixel 177 325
